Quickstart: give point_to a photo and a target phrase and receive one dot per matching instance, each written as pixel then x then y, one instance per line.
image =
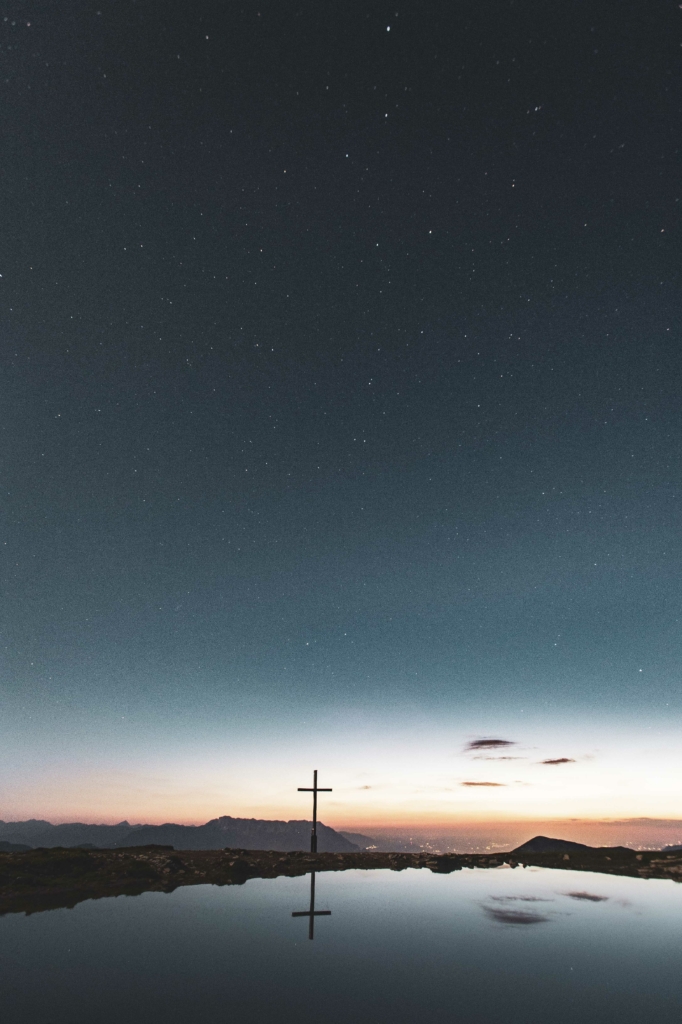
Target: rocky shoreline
pixel 45 879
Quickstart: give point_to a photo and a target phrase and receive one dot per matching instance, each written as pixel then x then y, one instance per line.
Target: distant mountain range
pixel 242 833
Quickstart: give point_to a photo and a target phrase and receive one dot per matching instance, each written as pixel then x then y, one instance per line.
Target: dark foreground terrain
pixel 50 878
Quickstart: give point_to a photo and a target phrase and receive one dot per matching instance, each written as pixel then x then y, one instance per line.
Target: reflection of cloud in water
pixel 513 916
pixel 586 896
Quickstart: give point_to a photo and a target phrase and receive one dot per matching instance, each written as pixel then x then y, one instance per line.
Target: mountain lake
pixel 497 946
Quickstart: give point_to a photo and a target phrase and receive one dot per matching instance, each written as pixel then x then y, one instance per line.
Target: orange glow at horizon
pixel 425 777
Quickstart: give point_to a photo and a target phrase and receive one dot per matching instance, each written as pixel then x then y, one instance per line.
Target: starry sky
pixel 340 409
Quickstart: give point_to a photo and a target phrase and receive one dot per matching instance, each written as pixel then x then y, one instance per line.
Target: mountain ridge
pixel 216 834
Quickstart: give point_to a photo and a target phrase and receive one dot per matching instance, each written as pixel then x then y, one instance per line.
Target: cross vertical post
pixel 314 790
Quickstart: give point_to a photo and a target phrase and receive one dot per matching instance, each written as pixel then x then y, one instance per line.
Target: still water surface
pixel 504 946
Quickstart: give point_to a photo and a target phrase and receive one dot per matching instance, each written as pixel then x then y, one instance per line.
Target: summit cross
pixel 314 789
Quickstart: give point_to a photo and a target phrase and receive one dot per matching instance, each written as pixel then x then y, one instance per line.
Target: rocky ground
pixel 49 878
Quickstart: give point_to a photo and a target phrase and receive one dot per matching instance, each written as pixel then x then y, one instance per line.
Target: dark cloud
pixel 489 744
pixel 365 787
pixel 587 896
pixel 559 760
pixel 515 916
pixel 482 783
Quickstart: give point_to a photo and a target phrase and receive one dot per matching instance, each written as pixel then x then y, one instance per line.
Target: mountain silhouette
pixel 544 844
pixel 241 833
pixel 43 833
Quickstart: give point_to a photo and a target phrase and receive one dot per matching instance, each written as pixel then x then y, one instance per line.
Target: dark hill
pixel 543 844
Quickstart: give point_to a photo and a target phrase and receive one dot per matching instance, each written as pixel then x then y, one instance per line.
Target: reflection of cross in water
pixel 312 913
pixel 315 790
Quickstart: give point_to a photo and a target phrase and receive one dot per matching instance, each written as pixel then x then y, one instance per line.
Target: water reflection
pixel 587 896
pixel 516 915
pixel 510 915
pixel 406 948
pixel 311 914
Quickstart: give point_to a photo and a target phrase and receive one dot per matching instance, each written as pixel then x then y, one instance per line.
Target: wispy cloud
pixel 489 744
pixel 559 760
pixel 503 757
pixel 482 783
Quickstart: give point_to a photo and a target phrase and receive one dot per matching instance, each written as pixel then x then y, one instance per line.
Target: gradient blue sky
pixel 341 419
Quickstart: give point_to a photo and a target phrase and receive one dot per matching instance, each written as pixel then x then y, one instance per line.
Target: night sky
pixel 340 409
